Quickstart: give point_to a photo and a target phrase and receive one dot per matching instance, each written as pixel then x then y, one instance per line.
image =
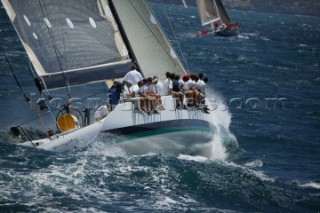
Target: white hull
pixel 75 140
pixel 179 129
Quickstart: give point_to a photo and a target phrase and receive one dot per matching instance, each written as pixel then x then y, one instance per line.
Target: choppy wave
pixel 314 185
pixel 253 164
pixel 250 166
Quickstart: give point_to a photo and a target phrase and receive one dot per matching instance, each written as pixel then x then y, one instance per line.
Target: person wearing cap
pixel 189 86
pixel 128 90
pixel 158 85
pixel 134 76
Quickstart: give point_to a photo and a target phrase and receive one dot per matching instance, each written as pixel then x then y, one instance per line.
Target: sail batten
pixel 64 35
pixel 210 22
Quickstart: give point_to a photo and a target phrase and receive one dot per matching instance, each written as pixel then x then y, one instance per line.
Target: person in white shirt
pixel 202 87
pixel 133 94
pixel 167 85
pixel 187 85
pixel 135 89
pixel 195 90
pixel 157 88
pixel 134 76
pixel 128 90
pixel 151 95
pixel 143 93
pixel 140 97
pixel 190 90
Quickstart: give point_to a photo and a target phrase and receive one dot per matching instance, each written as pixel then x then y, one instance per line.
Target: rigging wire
pixel 49 111
pixel 56 52
pixel 174 34
pixel 26 97
pixel 43 81
pixel 42 122
pixel 33 119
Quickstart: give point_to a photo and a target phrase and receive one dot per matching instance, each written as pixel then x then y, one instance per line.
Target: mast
pixel 124 35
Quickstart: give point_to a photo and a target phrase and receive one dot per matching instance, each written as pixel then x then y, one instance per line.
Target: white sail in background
pixel 211 11
pixel 208 11
pixel 222 12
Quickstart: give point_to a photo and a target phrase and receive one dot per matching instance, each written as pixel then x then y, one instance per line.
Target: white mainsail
pixel 69 41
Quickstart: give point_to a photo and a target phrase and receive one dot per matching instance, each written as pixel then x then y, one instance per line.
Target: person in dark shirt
pixel 176 90
pixel 114 94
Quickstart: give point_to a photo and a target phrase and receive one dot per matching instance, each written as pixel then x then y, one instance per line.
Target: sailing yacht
pixel 75 42
pixel 214 16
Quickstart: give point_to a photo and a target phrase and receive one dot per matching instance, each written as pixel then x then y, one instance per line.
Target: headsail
pixel 211 11
pixel 69 41
pixel 208 11
pixel 149 44
pixel 223 13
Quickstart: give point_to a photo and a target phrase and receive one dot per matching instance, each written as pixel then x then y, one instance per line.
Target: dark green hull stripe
pixel 160 128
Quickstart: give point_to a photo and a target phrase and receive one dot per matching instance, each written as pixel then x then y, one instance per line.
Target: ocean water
pixel 266 80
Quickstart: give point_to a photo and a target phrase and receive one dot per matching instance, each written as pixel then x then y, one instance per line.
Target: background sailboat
pixel 214 16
